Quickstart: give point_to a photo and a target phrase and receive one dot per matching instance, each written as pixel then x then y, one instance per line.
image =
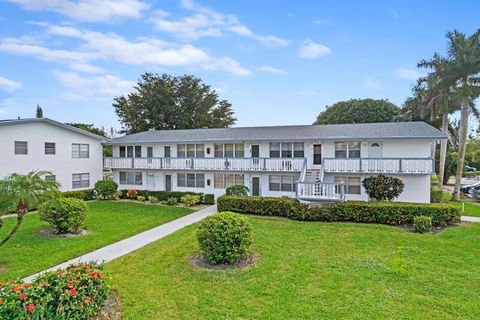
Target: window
pixel 122 152
pixel 239 150
pixel 50 177
pixel 274 150
pixel 222 181
pixel 138 151
pixel 190 150
pixel 282 182
pixel 218 150
pixel 229 150
pixel 130 151
pixel 131 178
pixel 149 152
pixel 80 151
pixel 21 147
pixel 287 150
pixel 352 184
pixel 80 180
pixel 347 149
pixel 191 180
pixel 298 150
pixel 49 147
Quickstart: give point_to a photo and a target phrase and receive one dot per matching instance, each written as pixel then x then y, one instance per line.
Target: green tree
pixel 22 193
pixel 359 111
pixel 107 150
pixel 166 102
pixel 39 112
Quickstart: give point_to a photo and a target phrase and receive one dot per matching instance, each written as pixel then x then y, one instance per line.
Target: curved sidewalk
pixel 125 246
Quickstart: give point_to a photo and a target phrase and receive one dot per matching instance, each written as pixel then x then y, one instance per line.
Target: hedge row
pixel 393 213
pixel 86 194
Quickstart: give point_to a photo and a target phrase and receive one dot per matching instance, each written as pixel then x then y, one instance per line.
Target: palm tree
pixel 23 192
pixel 462 73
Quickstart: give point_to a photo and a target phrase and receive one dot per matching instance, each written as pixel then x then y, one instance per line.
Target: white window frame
pixel 287 150
pixel 286 182
pixel 80 180
pixel 237 151
pixel 348 149
pixel 49 150
pixel 220 180
pixel 21 148
pixel 185 180
pixel 50 177
pixel 198 150
pixel 349 185
pixel 133 178
pixel 80 154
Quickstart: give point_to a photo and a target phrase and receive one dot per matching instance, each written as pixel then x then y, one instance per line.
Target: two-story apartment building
pixel 310 162
pixel 72 156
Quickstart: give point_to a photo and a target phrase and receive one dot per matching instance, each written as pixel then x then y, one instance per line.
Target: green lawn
pixel 309 270
pixel 107 221
pixel 471 209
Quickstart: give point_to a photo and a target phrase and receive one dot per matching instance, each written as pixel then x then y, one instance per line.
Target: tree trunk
pixel 443 151
pixel 22 209
pixel 461 149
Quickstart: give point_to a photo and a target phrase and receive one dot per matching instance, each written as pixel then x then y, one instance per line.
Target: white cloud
pixel 142 51
pixel 407 73
pixel 88 10
pixel 273 70
pixel 321 21
pixel 206 22
pixel 85 67
pixel 9 85
pixel 5 106
pixel 312 50
pixel 82 88
pixel 371 83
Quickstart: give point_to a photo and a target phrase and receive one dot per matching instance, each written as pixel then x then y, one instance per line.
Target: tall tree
pixel 359 111
pixel 23 192
pixel 166 102
pixel 463 74
pixel 39 112
pixel 90 128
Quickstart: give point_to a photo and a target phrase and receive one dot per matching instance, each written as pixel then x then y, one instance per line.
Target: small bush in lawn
pixel 436 195
pixel 398 262
pixel 152 199
pixel 383 188
pixel 422 224
pixel 171 201
pixel 190 200
pixel 132 194
pixel 65 215
pixel 209 199
pixel 106 189
pixel 224 237
pixel 237 191
pixel 77 292
pixel 141 198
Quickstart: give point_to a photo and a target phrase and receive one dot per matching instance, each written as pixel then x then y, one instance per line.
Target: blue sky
pixel 277 62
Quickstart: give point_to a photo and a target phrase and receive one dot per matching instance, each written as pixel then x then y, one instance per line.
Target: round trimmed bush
pixel 224 237
pixel 66 215
pixel 238 190
pixel 422 224
pixel 106 189
pixel 383 188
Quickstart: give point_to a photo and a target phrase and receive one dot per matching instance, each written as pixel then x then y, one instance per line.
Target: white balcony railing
pixel 207 164
pixel 379 165
pixel 319 191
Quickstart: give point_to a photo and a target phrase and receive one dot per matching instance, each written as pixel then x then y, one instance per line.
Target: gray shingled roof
pixel 388 130
pixel 52 122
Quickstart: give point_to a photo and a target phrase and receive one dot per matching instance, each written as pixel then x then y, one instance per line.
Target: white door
pixel 375 150
pixel 150 181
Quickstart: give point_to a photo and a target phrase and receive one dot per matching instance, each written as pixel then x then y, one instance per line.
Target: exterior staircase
pixel 312 188
pixel 313 175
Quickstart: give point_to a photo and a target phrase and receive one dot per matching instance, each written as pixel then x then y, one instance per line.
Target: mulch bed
pixel 49 233
pixel 111 309
pixel 244 263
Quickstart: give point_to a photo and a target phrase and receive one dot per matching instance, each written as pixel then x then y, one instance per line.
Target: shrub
pixel 171 201
pixel 152 199
pixel 224 237
pixel 77 292
pixel 160 195
pixel 383 188
pixel 118 195
pixel 398 263
pixel 422 224
pixel 237 191
pixel 65 215
pixel 132 194
pixel 141 198
pixel 394 213
pixel 190 200
pixel 209 199
pixel 106 188
pixel 436 195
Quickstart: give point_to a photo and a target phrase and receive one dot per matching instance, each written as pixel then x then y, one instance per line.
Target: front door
pixel 255 186
pixel 168 182
pixel 150 181
pixel 317 154
pixel 256 156
pixel 375 150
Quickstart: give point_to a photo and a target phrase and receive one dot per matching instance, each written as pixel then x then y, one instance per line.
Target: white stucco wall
pixel 62 165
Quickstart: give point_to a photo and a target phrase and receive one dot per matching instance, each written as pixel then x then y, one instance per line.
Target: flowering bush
pixel 132 194
pixel 190 200
pixel 77 292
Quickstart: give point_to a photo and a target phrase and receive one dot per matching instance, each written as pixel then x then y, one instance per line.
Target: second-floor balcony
pixel 379 165
pixel 208 164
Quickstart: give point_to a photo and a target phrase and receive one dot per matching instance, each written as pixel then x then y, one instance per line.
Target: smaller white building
pixel 72 156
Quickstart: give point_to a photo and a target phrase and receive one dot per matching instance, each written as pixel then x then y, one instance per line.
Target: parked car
pixel 466 189
pixel 470 169
pixel 475 193
pixel 474 189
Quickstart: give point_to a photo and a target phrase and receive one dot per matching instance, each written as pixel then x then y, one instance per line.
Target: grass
pixel 28 252
pixel 309 270
pixel 471 209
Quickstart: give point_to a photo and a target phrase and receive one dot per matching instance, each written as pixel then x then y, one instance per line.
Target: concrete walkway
pixel 470 219
pixel 136 242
